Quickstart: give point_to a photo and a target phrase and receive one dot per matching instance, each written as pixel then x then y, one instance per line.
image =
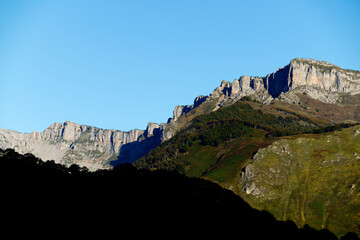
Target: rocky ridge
pixel 95 148
pixel 70 143
pixel 319 79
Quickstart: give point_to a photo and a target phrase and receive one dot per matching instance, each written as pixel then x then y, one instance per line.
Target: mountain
pixel 300 169
pixel 224 146
pixel 127 200
pixel 316 89
pixel 286 143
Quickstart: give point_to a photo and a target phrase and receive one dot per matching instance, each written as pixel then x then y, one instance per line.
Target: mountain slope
pixel 219 145
pixel 313 179
pixel 237 121
pixel 126 200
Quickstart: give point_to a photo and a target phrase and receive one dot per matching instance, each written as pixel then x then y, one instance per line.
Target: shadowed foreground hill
pixel 39 196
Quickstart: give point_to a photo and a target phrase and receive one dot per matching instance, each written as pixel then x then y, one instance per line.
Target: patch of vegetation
pixel 240 115
pixel 71 156
pixel 95 154
pixel 84 139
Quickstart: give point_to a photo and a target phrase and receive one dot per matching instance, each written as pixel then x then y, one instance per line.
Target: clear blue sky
pixel 120 64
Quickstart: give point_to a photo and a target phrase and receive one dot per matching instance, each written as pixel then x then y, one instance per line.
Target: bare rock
pixel 151 128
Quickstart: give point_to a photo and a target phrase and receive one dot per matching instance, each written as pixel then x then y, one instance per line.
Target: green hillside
pixel 312 179
pixel 219 145
pixel 220 135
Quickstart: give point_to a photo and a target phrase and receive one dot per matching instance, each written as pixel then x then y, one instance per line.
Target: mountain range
pixel 287 143
pixel 303 82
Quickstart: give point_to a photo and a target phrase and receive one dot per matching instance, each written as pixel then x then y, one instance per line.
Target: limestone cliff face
pixel 320 80
pixel 230 92
pixel 181 110
pixel 70 143
pixel 151 129
pixel 323 75
pixel 93 147
pixel 103 140
pixel 317 74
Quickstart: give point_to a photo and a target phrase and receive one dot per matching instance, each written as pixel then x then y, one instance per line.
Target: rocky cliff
pixel 320 80
pixel 70 143
pixel 95 148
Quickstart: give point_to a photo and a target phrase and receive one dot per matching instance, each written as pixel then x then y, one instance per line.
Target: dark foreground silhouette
pixel 44 198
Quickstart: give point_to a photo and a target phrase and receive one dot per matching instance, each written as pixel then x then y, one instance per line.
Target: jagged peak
pixel 55 125
pixel 69 123
pixel 152 125
pixel 151 128
pixel 66 123
pixel 224 83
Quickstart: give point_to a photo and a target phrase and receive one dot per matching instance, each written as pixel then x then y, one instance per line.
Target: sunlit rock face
pixel 70 143
pixel 96 148
pixel 311 73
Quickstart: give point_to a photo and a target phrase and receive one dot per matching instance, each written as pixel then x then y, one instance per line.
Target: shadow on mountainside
pixel 131 152
pixel 39 196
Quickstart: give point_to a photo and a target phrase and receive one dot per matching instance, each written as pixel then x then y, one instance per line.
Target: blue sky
pixel 120 64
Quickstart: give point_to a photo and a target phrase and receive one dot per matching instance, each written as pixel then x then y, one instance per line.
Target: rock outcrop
pixel 323 75
pixel 313 74
pixel 151 129
pixel 183 109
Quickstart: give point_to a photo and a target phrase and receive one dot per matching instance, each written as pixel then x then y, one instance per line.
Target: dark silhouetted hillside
pixel 43 197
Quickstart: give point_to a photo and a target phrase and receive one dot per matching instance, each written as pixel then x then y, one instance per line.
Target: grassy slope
pixel 320 187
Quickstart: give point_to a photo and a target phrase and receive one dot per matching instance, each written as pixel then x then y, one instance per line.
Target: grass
pixel 317 188
pixel 228 168
pixel 199 159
